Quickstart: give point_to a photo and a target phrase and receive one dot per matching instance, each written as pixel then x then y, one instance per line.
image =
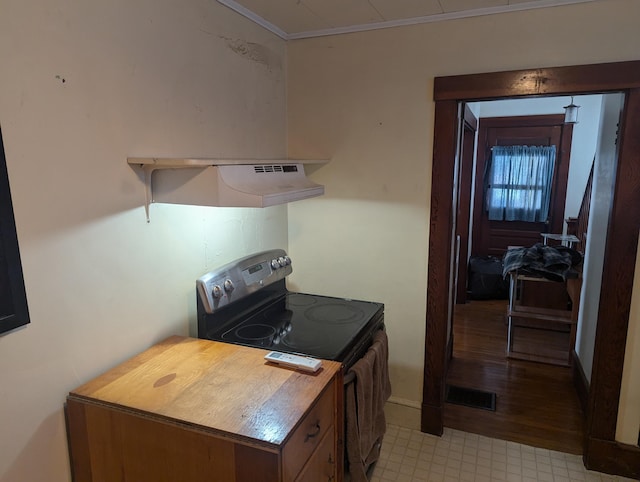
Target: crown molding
pixel 396 23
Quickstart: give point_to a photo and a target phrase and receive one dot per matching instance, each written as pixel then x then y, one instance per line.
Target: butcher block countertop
pixel 219 387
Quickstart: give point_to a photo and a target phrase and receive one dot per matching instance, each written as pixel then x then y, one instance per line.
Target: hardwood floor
pixel 536 403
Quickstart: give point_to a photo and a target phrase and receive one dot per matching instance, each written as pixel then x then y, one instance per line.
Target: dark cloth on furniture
pixel 551 262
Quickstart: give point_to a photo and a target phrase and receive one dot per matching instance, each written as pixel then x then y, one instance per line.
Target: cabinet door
pixel 321 467
pixel 307 436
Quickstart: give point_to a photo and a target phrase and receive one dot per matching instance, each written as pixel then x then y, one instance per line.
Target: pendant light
pixel 571 113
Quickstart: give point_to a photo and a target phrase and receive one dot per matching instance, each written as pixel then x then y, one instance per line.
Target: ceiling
pixel 295 19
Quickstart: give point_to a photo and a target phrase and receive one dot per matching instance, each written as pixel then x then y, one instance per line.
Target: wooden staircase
pixel 578 225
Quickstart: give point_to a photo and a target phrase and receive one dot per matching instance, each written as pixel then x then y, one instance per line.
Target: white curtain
pixel 518 183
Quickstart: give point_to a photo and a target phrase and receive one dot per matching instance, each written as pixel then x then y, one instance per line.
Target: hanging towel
pixel 365 397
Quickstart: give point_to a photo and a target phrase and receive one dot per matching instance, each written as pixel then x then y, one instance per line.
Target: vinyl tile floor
pixel 410 455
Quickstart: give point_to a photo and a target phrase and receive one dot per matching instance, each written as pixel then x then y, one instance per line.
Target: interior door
pixel 493 237
pixel 465 180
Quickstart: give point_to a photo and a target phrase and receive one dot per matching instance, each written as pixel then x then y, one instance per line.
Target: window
pixel 13 299
pixel 518 183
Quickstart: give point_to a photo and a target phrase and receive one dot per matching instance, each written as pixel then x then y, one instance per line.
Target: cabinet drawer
pixel 321 467
pixel 309 433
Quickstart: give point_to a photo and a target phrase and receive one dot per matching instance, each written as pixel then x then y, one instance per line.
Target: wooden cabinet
pixel 194 410
pixel 307 437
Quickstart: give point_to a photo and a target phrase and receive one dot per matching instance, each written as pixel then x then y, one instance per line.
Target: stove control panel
pixel 216 291
pixel 242 277
pixel 280 262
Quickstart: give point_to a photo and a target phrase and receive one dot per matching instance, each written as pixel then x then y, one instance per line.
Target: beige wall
pixel 629 415
pixel 86 84
pixel 365 101
pixel 83 86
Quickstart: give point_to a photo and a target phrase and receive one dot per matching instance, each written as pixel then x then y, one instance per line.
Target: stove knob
pixel 287 260
pixel 275 264
pixel 281 261
pixel 228 285
pixel 216 291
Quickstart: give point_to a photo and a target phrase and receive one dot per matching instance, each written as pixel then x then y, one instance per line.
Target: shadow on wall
pixel 43 441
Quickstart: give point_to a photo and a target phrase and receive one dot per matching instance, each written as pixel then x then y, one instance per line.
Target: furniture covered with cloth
pixel 365 399
pixel 549 332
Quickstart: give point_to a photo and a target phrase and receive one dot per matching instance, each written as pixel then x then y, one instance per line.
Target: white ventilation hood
pixel 225 183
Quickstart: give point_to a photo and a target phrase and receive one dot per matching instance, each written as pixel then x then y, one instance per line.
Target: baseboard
pixel 413 415
pixel 606 456
pixel 580 381
pixel 403 413
pixel 613 458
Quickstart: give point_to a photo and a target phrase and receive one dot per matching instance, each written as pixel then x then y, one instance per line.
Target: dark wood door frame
pixel 465 180
pixel 601 451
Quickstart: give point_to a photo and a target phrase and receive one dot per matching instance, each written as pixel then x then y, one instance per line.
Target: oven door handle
pixel 349 377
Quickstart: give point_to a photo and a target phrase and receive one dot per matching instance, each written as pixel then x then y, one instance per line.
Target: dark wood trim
pixel 617 278
pixel 430 419
pixel 613 457
pixel 536 120
pixel 465 183
pixel 574 79
pixel 439 265
pixel 622 236
pixel 580 381
pixel 470 119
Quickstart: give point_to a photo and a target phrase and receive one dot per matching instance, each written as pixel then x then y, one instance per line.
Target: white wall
pixel 83 86
pixel 365 101
pixel 599 210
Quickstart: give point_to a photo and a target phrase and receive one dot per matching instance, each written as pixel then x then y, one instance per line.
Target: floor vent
pixel 470 397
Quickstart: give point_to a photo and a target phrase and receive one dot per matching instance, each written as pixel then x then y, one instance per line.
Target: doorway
pixel 621 246
pixel 536 403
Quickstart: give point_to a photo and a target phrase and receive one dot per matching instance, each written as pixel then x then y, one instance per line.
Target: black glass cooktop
pixel 318 326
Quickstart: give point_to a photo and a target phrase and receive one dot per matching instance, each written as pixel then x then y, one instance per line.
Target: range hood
pixel 225 183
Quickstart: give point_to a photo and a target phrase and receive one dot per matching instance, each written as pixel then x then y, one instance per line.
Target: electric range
pixel 246 302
